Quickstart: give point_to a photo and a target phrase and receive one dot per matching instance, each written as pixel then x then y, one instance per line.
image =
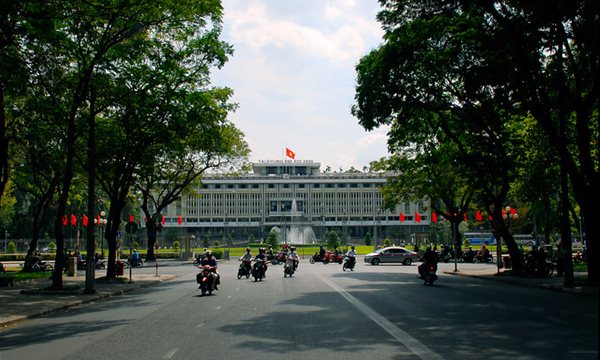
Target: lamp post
pixel 5 241
pixel 102 224
pixel 225 227
pixel 345 223
pixel 509 214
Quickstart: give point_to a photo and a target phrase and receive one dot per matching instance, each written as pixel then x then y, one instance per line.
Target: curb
pixel 91 298
pixel 578 290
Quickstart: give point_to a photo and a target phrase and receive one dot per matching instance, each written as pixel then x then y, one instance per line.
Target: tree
pixel 273 238
pixel 368 239
pixel 333 239
pixel 538 59
pixel 439 72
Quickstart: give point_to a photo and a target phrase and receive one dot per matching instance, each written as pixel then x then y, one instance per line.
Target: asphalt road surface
pixel 375 312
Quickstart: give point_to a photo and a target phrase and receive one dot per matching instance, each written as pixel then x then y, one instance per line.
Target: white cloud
pixel 293 76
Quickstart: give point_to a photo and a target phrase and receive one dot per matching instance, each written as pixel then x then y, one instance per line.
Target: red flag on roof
pixel 179 219
pixel 402 218
pixel 85 220
pixel 433 217
pixel 289 153
pixel 65 220
pixel 73 220
pixel 417 217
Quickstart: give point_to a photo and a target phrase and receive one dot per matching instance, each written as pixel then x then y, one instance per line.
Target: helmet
pixel 293 248
pixel 247 249
pixel 261 250
pixel 352 247
pixel 208 253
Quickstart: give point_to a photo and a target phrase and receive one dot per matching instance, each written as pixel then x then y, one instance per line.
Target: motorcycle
pixel 316 258
pixel 289 268
pixel 207 278
pixel 331 257
pixel 244 269
pixel 42 266
pixel 349 262
pixel 483 258
pixel 139 263
pixel 277 259
pixel 427 273
pixel 258 269
pixel 538 267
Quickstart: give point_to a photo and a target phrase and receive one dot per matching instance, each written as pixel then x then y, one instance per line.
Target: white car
pixel 392 254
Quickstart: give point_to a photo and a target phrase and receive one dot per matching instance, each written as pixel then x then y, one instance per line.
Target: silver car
pixel 392 254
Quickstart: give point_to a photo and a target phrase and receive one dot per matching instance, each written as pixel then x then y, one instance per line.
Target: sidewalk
pixel 26 300
pixel 552 283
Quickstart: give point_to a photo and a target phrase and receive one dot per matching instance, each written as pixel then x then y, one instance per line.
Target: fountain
pixel 298 232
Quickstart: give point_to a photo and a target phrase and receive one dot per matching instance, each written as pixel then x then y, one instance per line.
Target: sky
pixel 293 75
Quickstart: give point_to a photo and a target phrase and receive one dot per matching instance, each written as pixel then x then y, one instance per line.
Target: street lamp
pixel 101 222
pixel 508 214
pixel 5 241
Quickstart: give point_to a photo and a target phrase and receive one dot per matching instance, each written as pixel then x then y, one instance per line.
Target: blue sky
pixel 293 76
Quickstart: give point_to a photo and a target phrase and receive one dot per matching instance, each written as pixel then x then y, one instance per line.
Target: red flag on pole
pixel 131 218
pixel 97 221
pixel 163 220
pixel 85 220
pixel 478 216
pixel 433 217
pixel 65 220
pixel 179 219
pixel 73 220
pixel 465 217
pixel 402 218
pixel 289 153
pixel 417 217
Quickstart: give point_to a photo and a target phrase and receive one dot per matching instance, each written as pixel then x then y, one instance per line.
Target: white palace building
pixel 299 201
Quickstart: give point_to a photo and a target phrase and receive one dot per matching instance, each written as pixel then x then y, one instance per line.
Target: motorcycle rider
pixel 321 252
pixel 270 253
pixel 246 259
pixel 293 255
pixel 261 255
pixel 351 255
pixel 211 261
pixel 429 257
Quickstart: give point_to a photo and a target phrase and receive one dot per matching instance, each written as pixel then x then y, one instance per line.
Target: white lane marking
pixel 219 307
pixel 229 297
pixel 201 324
pixel 414 345
pixel 171 353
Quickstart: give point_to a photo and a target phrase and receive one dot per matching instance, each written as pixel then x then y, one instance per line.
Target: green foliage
pixel 217 243
pixel 466 242
pixel 52 246
pixel 11 248
pixel 176 245
pixel 218 253
pixel 368 239
pixel 273 238
pixel 333 239
pixel 387 242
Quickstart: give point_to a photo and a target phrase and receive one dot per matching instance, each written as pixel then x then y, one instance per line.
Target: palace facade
pixel 299 201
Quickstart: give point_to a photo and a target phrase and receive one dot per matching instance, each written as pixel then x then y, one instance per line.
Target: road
pixel 383 312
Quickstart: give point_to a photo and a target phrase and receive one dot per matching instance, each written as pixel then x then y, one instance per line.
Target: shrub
pixel 176 245
pixel 217 253
pixel 11 248
pixel 52 246
pixel 387 242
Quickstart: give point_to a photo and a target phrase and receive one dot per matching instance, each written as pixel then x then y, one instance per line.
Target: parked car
pixel 392 254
